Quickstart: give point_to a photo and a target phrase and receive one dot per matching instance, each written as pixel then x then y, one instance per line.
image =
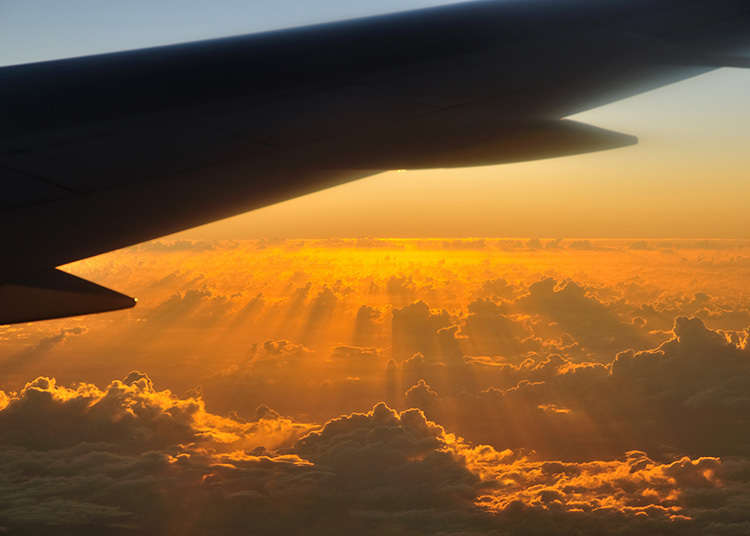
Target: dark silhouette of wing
pixel 101 152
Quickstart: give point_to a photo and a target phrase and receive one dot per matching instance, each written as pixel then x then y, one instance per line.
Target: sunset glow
pixel 356 268
pixel 520 380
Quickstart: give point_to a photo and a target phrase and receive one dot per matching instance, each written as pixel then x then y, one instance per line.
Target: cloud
pixel 322 305
pixel 415 329
pixel 582 245
pixel 359 361
pixel 688 396
pixel 595 325
pixel 197 246
pixel 422 396
pixel 355 354
pixel 489 331
pixel 194 307
pixel 129 413
pixel 497 289
pixel 461 244
pixel 640 245
pixel 278 354
pixel 141 460
pixel 298 380
pixel 30 354
pixel 400 289
pixel 377 243
pixel 583 406
pixel 366 325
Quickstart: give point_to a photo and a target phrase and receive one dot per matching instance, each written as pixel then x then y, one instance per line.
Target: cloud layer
pixel 138 460
pixel 388 387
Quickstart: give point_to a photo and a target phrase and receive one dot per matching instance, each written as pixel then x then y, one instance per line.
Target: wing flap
pixel 55 294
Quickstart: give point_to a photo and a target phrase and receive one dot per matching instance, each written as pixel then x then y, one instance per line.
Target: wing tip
pixel 53 294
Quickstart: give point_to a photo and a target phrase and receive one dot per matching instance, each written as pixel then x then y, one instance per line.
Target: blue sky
pixel 34 30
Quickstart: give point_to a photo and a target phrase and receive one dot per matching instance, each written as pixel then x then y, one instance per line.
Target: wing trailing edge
pixel 52 294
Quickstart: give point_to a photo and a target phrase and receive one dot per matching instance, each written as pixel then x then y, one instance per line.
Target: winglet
pixel 51 294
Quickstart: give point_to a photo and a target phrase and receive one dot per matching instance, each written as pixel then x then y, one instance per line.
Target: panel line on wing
pixel 21 189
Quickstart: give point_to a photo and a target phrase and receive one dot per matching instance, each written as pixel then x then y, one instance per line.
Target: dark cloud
pixel 194 307
pixel 45 344
pixel 478 243
pixel 583 406
pixel 688 396
pixel 400 289
pixel 489 331
pixel 356 354
pixel 359 361
pixel 415 329
pixel 582 245
pixel 172 279
pixel 497 289
pixel 30 355
pixel 297 299
pixel 695 385
pixel 593 323
pixel 198 246
pixel 278 354
pixel 320 312
pixel 377 243
pixel 136 460
pixel 640 245
pixel 251 309
pixel 366 325
pixel 510 244
pixel 421 396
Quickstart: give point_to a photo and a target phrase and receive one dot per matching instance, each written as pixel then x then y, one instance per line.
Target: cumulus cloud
pixel 581 245
pixel 422 396
pixel 129 413
pixel 194 307
pixel 497 289
pixel 415 329
pixel 366 325
pixel 595 325
pixel 137 460
pixel 584 407
pixel 321 310
pixel 44 345
pixel 490 331
pixel 686 396
pixel 279 355
pixel 357 361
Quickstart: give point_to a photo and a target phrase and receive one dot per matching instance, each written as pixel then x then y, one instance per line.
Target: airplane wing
pixel 102 152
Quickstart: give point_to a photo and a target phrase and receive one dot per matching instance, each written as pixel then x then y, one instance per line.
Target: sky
pixel 686 178
pixel 554 347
